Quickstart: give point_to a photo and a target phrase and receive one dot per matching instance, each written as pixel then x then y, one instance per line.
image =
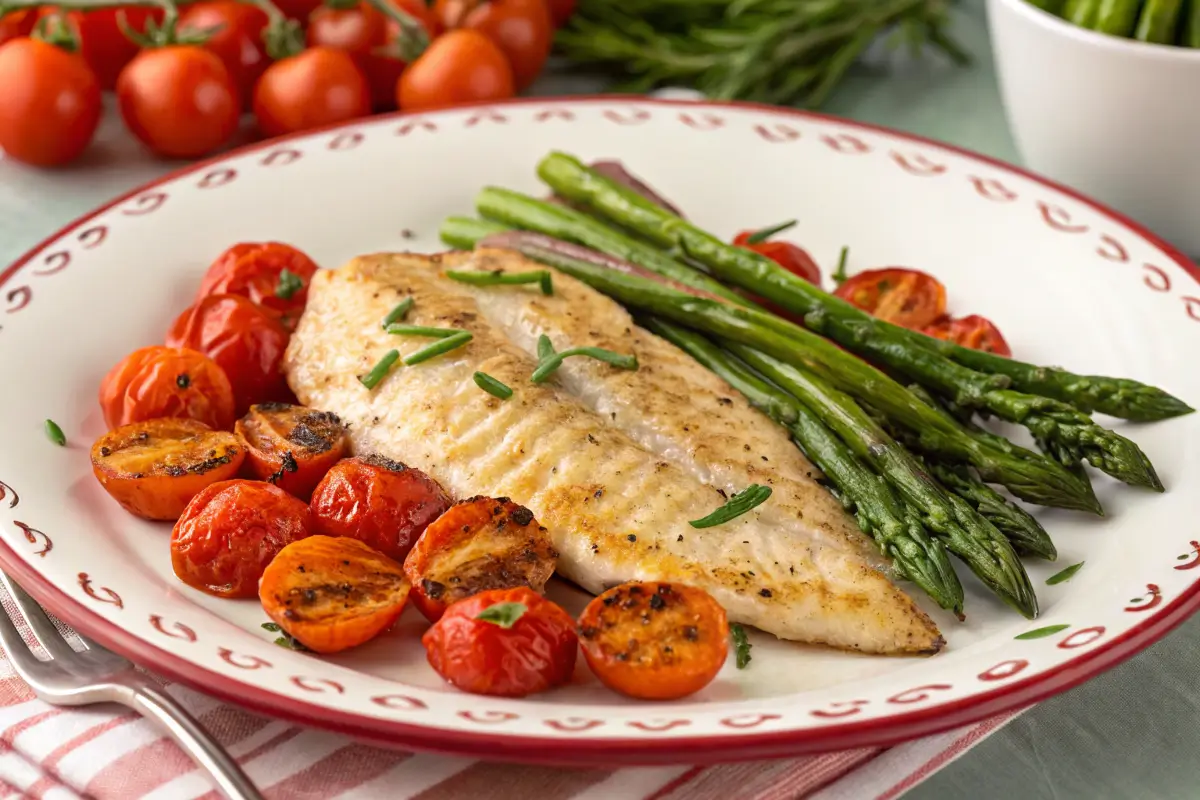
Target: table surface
pixel 1133 732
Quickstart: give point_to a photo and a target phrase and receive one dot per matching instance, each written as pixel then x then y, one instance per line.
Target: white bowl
pixel 1115 118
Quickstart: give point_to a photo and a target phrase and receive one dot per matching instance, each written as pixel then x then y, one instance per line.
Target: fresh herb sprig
pixel 504 615
pixel 422 330
pixel 453 342
pixel 492 386
pixel 498 278
pixel 752 496
pixel 548 365
pixel 289 284
pixel 55 433
pixel 741 645
pixel 399 312
pixel 285 639
pixel 381 369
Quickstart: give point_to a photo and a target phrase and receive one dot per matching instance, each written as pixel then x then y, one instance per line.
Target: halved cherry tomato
pixel 155 468
pixel 16 24
pixel 794 259
pixel 230 532
pixel 378 501
pixel 256 270
pixel 102 43
pixel 179 100
pixel 167 382
pixel 460 66
pixel 522 29
pixel 654 641
pixel 245 340
pixel 51 103
pixel 479 544
pixel 906 297
pixel 375 41
pixel 332 594
pixel 504 642
pixel 319 86
pixel 292 447
pixel 974 331
pixel 235 37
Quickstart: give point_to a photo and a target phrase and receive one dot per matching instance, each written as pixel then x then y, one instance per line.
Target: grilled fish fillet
pixel 614 463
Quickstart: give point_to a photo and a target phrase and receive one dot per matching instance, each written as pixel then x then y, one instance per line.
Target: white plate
pixel 1067 281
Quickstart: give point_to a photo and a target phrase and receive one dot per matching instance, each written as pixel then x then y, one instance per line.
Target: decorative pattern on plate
pixel 34 536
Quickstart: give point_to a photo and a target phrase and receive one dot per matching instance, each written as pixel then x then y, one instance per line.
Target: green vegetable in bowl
pixel 1170 22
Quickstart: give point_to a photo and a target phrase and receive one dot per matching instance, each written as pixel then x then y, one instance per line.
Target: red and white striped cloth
pixel 108 752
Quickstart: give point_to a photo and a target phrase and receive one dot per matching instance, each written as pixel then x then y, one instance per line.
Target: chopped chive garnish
pixel 840 276
pixel 498 278
pixel 548 365
pixel 440 346
pixel 1041 633
pixel 492 386
pixel 1065 575
pixel 377 373
pixel 55 433
pixel 740 503
pixel 545 348
pixel 741 645
pixel 763 234
pixel 421 330
pixel 503 614
pixel 289 284
pixel 399 312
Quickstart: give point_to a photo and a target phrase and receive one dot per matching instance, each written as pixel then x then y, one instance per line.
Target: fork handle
pixel 149 699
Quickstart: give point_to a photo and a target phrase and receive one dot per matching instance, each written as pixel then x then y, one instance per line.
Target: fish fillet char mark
pixel 616 492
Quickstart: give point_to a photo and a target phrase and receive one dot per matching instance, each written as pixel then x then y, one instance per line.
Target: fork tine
pixel 39 623
pixel 31 669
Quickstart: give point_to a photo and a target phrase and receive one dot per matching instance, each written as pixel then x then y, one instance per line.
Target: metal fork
pixel 96 675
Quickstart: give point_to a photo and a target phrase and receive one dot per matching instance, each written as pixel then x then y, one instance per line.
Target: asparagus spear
pixel 890 343
pixel 1025 533
pixel 964 532
pixel 1028 475
pixel 893 525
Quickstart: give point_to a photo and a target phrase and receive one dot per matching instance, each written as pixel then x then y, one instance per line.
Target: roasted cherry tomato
pixel 479 544
pixel 16 24
pixel 230 532
pixel 234 36
pixel 319 86
pixel 245 340
pixel 102 43
pixel 795 260
pixel 274 275
pixel 167 382
pixel 522 29
pixel 292 446
pixel 298 10
pixel 974 331
pixel 460 66
pixel 51 103
pixel 905 297
pixel 376 42
pixel 180 101
pixel 378 501
pixel 654 641
pixel 155 468
pixel 331 594
pixel 504 642
pixel 560 11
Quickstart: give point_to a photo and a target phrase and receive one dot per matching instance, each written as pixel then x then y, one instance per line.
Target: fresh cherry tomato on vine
pixel 906 297
pixel 318 87
pixel 17 23
pixel 102 43
pixel 560 11
pixel 795 260
pixel 51 103
pixel 179 100
pixel 522 29
pixel 974 331
pixel 460 66
pixel 235 37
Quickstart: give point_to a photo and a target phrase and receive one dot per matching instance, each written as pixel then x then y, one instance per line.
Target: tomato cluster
pixel 265 503
pixel 183 79
pixel 905 297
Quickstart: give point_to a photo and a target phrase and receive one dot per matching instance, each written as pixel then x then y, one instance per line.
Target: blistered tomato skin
pixel 380 502
pixel 230 532
pixel 253 270
pixel 159 381
pixel 291 446
pixel 536 653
